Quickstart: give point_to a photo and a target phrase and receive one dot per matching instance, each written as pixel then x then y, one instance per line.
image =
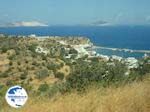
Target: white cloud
pixel 27 24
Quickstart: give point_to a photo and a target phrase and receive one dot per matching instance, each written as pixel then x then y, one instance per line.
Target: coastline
pixel 122 49
pixel 87 47
pixel 90 44
pixel 101 47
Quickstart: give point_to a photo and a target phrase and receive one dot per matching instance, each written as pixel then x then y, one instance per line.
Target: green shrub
pixel 23 76
pixel 43 63
pixel 32 47
pixel 42 74
pixel 4 49
pixel 26 61
pixel 43 57
pixel 55 89
pixel 61 64
pixel 10 63
pixel 17 50
pixel 59 75
pixel 73 51
pixel 51 66
pixel 116 74
pixel 32 68
pixel 134 75
pixel 18 63
pixel 143 69
pixel 43 87
pixel 95 59
pixel 3 74
pixel 35 63
pixel 84 74
pixel 34 55
pixel 12 57
pixel 52 90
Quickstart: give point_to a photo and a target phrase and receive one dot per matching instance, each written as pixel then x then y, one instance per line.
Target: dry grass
pixel 4 62
pixel 131 98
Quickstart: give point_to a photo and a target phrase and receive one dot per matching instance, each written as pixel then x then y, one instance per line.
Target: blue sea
pixel 126 37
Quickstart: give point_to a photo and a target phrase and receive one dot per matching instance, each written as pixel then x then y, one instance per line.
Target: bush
pixel 35 63
pixel 58 88
pixel 23 76
pixel 17 50
pixel 143 69
pixel 51 66
pixel 12 57
pixel 73 51
pixel 59 75
pixel 10 63
pixel 134 75
pixel 4 49
pixel 18 63
pixel 43 87
pixel 34 55
pixel 26 61
pixel 42 74
pixel 52 90
pixel 84 74
pixel 43 57
pixel 32 47
pixel 61 64
pixel 4 75
pixel 116 74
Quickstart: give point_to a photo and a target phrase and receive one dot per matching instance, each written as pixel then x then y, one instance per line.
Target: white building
pixel 132 62
pixel 105 57
pixel 114 57
pixel 41 50
pixel 81 50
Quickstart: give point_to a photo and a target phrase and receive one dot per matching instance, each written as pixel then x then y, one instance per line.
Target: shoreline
pixel 87 47
pixel 101 47
pixel 122 49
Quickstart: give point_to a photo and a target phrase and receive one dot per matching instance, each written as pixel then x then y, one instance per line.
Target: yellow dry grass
pixel 133 97
pixel 4 62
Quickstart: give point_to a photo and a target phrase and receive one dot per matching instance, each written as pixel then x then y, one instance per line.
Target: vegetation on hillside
pixel 133 97
pixel 41 67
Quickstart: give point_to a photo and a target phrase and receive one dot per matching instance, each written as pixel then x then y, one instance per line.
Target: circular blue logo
pixel 16 96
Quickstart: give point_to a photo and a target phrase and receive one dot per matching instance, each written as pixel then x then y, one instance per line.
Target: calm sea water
pixel 129 37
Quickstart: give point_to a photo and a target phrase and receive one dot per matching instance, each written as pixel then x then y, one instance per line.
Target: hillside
pixel 66 72
pixel 133 97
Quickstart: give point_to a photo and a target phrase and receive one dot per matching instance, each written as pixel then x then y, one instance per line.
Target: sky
pixel 74 12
